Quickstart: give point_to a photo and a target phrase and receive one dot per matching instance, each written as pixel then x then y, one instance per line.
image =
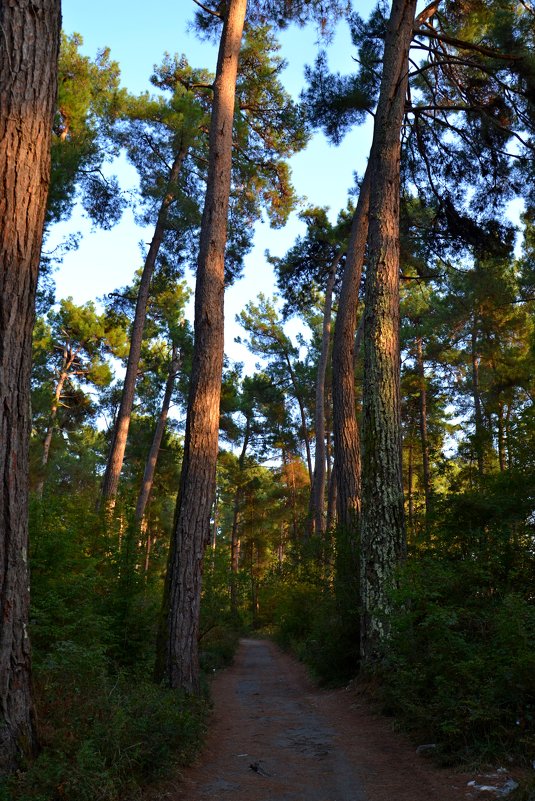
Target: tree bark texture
pixel 28 80
pixel 320 460
pixel 383 541
pixel 345 426
pixel 152 459
pixel 114 465
pixel 178 653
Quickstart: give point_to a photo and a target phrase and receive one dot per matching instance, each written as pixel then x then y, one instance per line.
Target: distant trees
pixel 72 345
pixel 268 339
pixel 28 83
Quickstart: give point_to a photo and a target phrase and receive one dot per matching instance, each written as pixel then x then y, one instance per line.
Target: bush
pixel 105 739
pixel 106 730
pixel 461 663
pixel 311 620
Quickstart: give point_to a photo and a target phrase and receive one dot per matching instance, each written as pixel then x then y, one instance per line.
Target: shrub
pixel 461 663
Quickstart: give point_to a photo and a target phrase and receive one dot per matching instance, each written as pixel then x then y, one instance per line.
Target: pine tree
pixel 28 83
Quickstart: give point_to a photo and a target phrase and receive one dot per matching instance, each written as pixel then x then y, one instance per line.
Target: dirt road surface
pixel 274 736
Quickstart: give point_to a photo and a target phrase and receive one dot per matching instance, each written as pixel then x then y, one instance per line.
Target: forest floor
pixel 274 736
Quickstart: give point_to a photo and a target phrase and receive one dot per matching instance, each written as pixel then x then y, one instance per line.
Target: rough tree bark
pixel 28 80
pixel 110 484
pixel 152 459
pixel 383 541
pixel 345 426
pixel 320 461
pixel 178 653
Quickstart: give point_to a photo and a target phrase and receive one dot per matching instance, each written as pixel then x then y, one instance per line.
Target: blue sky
pixel 138 33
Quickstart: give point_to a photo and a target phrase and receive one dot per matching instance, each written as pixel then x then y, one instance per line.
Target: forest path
pixel 274 736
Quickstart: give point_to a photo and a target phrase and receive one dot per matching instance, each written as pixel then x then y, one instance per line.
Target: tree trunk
pixel 345 426
pixel 409 486
pixel 501 437
pixel 478 411
pixel 320 462
pixel 423 425
pixel 331 473
pixel 383 540
pixel 304 427
pixel 68 359
pixel 508 435
pixel 235 546
pixel 215 526
pixel 235 538
pixel 28 81
pixel 332 501
pixel 148 548
pixel 114 465
pixel 152 460
pixel 178 652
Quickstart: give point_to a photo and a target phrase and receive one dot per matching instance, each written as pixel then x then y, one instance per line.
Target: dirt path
pixel 276 737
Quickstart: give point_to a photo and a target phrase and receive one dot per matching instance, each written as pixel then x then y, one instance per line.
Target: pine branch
pixel 208 10
pixel 430 33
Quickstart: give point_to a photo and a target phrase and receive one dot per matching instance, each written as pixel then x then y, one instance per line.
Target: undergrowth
pixel 106 730
pixel 459 668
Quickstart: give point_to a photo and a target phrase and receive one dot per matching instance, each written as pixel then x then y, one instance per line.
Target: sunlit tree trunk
pixel 345 425
pixel 114 465
pixel 152 459
pixel 29 44
pixel 178 651
pixel 383 541
pixel 320 461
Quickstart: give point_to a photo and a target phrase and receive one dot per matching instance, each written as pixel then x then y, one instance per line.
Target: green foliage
pixel 460 668
pixel 314 614
pixel 106 729
pixel 106 738
pixel 71 350
pixel 89 97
